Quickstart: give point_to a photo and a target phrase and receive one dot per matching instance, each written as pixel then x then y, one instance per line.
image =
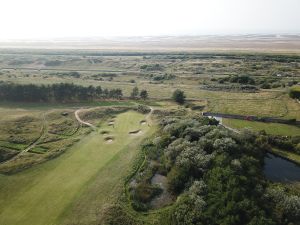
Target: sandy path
pixel 81 121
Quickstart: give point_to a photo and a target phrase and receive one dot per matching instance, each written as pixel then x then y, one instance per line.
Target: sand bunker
pixel 109 139
pixel 104 132
pixel 143 122
pixel 111 122
pixel 135 132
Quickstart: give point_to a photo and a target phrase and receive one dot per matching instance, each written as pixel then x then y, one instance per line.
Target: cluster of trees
pixel 231 87
pixel 135 93
pixel 217 173
pixel 152 67
pixel 161 77
pixel 53 63
pixel 74 74
pixel 62 92
pixel 242 79
pixel 263 82
pixel 291 144
pixel 100 76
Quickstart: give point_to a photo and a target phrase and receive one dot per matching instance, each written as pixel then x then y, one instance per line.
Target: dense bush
pixel 265 86
pixel 116 215
pixel 217 174
pixel 152 67
pixel 287 207
pixel 6 154
pixel 179 96
pixel 242 79
pixel 53 63
pixel 67 74
pixel 291 144
pixel 161 77
pixel 143 109
pixel 231 87
pixel 295 92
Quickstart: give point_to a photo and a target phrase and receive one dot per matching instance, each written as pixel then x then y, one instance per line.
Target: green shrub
pixel 143 109
pixel 177 178
pixel 179 96
pixel 265 86
pixel 295 92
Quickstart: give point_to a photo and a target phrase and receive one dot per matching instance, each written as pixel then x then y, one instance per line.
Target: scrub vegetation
pixel 215 174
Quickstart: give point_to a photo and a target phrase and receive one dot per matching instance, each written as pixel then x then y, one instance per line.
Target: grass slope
pixel 43 194
pixel 290 155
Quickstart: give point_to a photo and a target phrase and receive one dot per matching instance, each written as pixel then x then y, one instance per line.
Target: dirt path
pixel 37 140
pixel 220 119
pixel 83 122
pixel 149 115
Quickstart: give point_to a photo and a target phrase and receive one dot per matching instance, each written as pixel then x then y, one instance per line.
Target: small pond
pixel 281 170
pixel 165 198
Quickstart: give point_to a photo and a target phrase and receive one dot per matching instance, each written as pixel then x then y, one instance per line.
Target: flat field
pixel 270 128
pixel 199 74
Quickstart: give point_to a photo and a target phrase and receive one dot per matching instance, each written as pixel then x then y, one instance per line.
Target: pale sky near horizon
pixel 39 19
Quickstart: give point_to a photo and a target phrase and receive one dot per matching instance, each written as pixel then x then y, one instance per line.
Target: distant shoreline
pixel 231 43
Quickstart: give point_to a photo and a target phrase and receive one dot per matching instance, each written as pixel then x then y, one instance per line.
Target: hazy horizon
pixel 63 19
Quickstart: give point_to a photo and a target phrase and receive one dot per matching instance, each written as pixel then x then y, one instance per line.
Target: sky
pixel 42 19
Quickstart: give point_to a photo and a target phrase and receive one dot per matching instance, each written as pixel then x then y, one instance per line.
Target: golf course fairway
pixel 44 194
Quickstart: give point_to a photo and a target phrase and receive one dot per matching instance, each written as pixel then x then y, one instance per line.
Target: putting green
pixel 42 194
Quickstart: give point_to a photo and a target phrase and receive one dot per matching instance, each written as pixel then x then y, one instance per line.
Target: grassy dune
pixel 44 194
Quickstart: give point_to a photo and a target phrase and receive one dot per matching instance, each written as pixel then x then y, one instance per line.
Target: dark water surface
pixel 281 170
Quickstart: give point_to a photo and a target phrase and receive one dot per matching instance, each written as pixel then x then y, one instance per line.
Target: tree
pixel 179 96
pixel 135 92
pixel 144 94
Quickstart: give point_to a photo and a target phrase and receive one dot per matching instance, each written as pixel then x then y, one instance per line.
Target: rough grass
pixel 191 74
pixel 270 128
pixel 263 107
pixel 21 107
pixel 52 133
pixel 46 193
pixel 21 129
pixel 263 103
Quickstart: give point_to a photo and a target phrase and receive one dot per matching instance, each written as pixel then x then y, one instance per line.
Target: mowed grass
pixel 43 194
pixel 270 128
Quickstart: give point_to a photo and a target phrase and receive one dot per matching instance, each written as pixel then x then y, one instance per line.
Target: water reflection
pixel 280 170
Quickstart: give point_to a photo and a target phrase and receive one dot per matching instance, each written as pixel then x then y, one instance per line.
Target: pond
pixel 165 198
pixel 281 170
